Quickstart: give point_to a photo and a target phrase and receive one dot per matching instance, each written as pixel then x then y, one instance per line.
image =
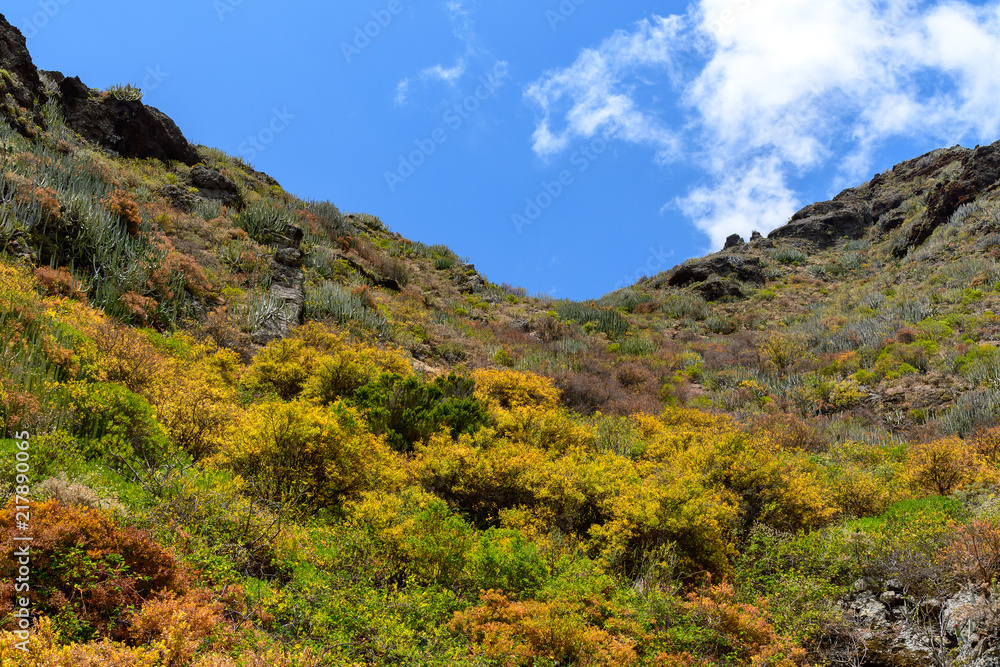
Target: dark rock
pixel 716 288
pixel 824 224
pixel 887 202
pixel 214 185
pixel 734 241
pixel 746 269
pixel 179 198
pixel 130 129
pixel 980 171
pixel 520 324
pixel 26 91
pixel 473 284
pixel 756 236
pixel 891 599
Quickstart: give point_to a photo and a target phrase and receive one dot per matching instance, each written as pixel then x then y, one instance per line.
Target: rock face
pixel 24 89
pixel 214 185
pixel 980 171
pixel 897 629
pixel 130 129
pixel 287 296
pixel 747 269
pixel 825 223
pixel 734 241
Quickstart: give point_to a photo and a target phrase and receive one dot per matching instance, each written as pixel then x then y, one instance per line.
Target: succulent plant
pixel 126 92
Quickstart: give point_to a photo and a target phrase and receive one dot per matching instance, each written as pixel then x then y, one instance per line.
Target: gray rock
pixel 864 584
pixel 891 599
pixel 289 257
pixel 873 614
pixel 894 585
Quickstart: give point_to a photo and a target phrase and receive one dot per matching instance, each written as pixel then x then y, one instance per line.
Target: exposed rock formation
pixel 825 223
pixel 130 129
pixel 22 94
pixel 287 296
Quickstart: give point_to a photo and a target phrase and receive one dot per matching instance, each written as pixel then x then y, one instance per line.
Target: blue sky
pixel 567 146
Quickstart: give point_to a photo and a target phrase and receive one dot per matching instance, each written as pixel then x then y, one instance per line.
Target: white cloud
pixel 592 95
pixel 463 27
pixel 755 198
pixel 402 91
pixel 779 89
pixel 446 74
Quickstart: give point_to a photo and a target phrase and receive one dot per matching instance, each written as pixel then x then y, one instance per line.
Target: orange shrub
pixel 523 633
pixel 86 571
pixel 740 633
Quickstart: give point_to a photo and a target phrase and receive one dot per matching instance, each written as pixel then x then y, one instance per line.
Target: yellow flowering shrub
pixel 306 454
pixel 507 389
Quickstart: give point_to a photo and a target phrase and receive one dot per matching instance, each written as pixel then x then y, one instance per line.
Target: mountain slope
pixel 261 430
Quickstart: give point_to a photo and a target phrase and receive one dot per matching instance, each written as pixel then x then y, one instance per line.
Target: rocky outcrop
pixel 21 91
pixel 131 129
pixel 286 306
pixel 980 172
pixel 213 185
pixel 734 241
pixel 746 269
pixel 825 223
pixel 891 627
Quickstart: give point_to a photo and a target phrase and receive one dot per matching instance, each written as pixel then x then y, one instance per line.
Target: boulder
pixel 746 269
pixel 214 185
pixel 716 288
pixel 734 241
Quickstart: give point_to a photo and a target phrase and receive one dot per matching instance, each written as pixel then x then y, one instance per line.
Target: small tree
pixel 940 466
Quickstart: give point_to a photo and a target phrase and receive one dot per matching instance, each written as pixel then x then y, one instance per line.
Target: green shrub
pixel 788 256
pixel 606 320
pixel 409 411
pixel 503 560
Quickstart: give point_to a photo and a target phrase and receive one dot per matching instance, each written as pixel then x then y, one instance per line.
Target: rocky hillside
pixel 288 435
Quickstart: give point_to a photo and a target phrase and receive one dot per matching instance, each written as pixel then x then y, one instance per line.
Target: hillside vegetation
pixel 265 432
